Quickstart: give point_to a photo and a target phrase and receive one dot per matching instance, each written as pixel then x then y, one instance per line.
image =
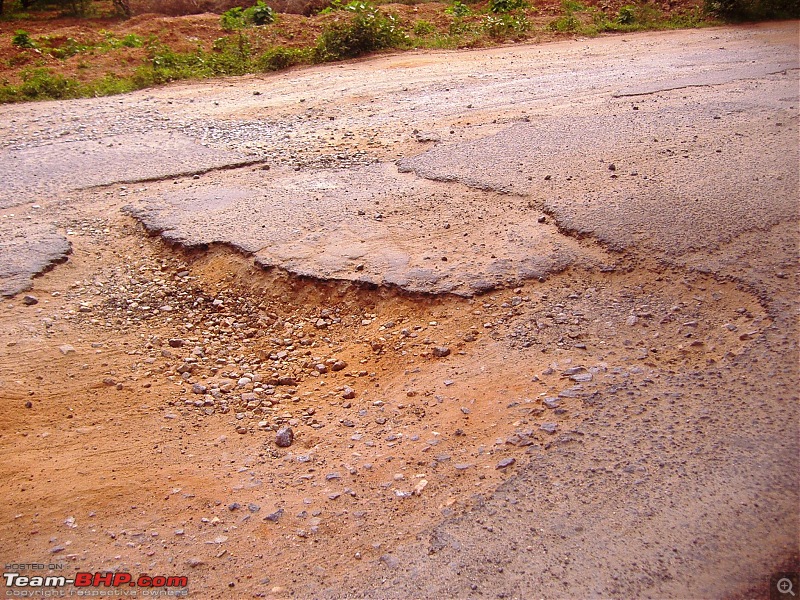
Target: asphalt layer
pixel 670 159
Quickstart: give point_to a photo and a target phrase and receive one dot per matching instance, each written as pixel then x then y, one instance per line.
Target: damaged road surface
pixel 518 322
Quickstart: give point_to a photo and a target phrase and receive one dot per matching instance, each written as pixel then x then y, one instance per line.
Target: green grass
pixel 359 28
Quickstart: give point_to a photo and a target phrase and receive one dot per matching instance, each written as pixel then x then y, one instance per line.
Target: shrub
pixel 261 14
pixel 565 24
pixel 754 9
pixel 423 28
pixel 22 39
pixel 502 26
pixel 233 18
pixel 505 6
pixel 626 15
pixel 368 30
pixel 44 84
pixel 238 17
pixel 279 58
pixel 458 9
pixel 569 22
pixel 459 27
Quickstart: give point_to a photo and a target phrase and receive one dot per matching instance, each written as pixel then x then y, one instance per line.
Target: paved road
pixel 453 173
pixel 689 120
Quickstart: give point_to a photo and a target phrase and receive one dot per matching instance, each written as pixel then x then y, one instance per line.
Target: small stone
pixel 549 427
pixel 284 437
pixel 234 506
pixel 339 365
pixel 30 300
pixel 66 349
pixel 551 402
pixel 348 393
pixel 199 388
pixel 57 549
pixel 581 377
pixel 194 562
pixel 506 462
pixel 29 404
pixel 612 167
pixel 274 517
pixel 542 219
pixel 441 351
pixel 390 561
pixel 175 343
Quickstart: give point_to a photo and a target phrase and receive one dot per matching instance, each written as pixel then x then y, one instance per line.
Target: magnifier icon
pixel 785 586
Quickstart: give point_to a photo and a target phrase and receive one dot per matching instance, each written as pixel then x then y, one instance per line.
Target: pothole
pixel 405 408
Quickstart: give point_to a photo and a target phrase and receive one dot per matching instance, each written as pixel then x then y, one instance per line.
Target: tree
pixel 123 6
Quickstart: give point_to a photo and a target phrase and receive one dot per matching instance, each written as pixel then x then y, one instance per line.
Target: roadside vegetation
pixel 83 48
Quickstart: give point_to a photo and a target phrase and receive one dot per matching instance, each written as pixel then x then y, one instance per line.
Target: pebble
pixel 66 349
pixel 549 427
pixel 348 393
pixel 30 300
pixel 506 462
pixel 441 351
pixel 551 402
pixel 390 561
pixel 274 516
pixel 581 377
pixel 284 437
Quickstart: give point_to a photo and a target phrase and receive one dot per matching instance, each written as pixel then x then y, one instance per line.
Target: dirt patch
pixel 174 374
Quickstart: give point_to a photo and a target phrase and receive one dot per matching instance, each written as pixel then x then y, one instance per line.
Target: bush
pixel 565 24
pixel 238 17
pixel 626 15
pixel 40 84
pixel 367 31
pixel 503 26
pixel 458 9
pixel 569 22
pixel 423 28
pixel 261 14
pixel 233 19
pixel 505 6
pixel 279 58
pixel 22 39
pixel 745 10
